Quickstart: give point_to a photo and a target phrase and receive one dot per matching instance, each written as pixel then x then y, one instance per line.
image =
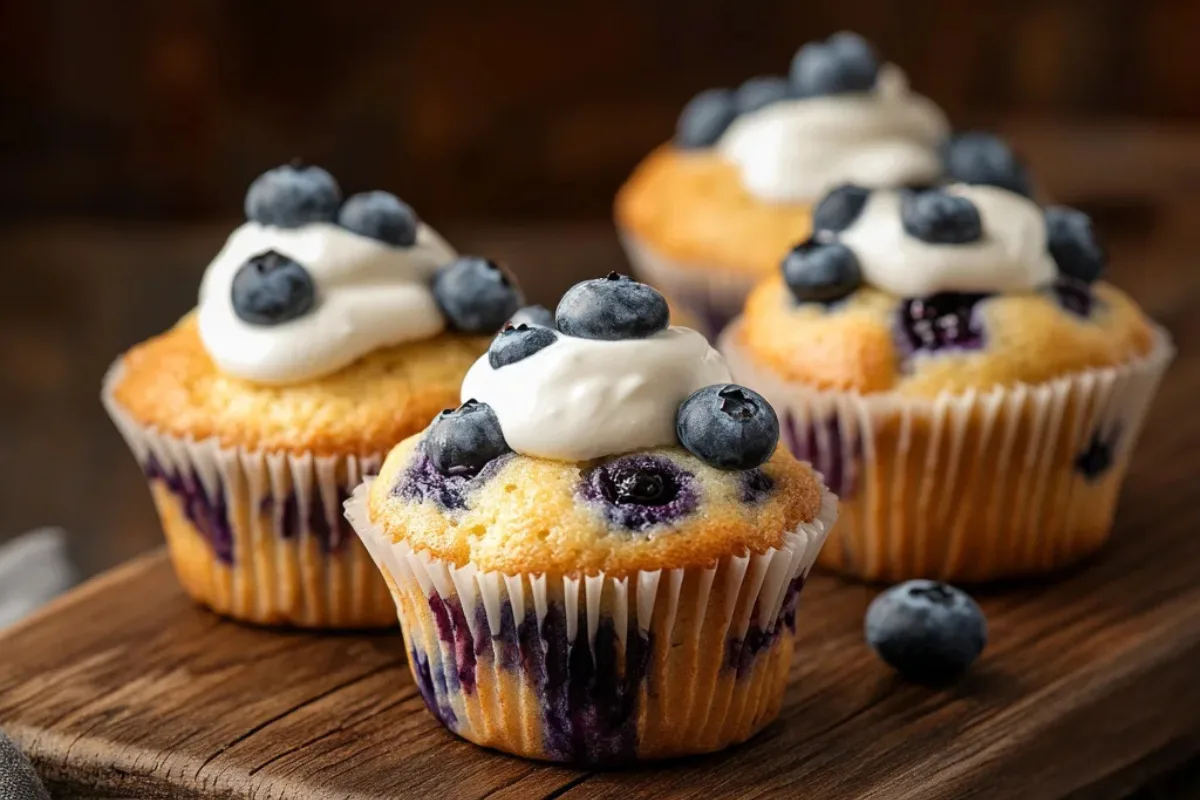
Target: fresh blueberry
pixel 640 491
pixel 380 215
pixel 533 315
pixel 837 210
pixel 461 441
pixel 705 118
pixel 984 158
pixel 1073 244
pixel 291 196
pixel 821 272
pixel 944 321
pixel 761 92
pixel 270 289
pixel 615 307
pixel 927 631
pixel 475 294
pixel 728 427
pixel 843 63
pixel 940 218
pixel 517 342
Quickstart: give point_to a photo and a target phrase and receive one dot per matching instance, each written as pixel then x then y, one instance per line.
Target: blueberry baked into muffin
pixel 706 216
pixel 951 362
pixel 326 331
pixel 596 558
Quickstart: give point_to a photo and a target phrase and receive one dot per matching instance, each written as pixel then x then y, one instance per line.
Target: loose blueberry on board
pixel 533 315
pixel 821 272
pixel 944 321
pixel 837 210
pixel 984 158
pixel 705 118
pixel 637 492
pixel 1073 244
pixel 761 92
pixel 293 195
pixel 382 216
pixel 927 631
pixel 728 427
pixel 611 308
pixel 843 63
pixel 270 289
pixel 940 218
pixel 461 441
pixel 517 342
pixel 475 294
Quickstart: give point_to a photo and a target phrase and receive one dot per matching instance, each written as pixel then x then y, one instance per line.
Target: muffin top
pixel 609 441
pixel 921 291
pixel 310 283
pixel 746 165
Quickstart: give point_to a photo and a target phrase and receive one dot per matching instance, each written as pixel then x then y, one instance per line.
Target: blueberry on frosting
pixel 461 441
pixel 1073 244
pixel 843 63
pixel 517 342
pixel 380 215
pixel 270 289
pixel 940 218
pixel 615 307
pixel 821 272
pixel 761 92
pixel 728 427
pixel 475 294
pixel 705 118
pixel 984 158
pixel 533 315
pixel 293 195
pixel 837 210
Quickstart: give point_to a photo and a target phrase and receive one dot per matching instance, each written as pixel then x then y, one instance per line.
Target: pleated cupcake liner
pixel 972 487
pixel 600 668
pixel 709 294
pixel 259 536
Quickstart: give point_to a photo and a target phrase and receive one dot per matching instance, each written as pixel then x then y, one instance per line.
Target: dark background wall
pixel 153 109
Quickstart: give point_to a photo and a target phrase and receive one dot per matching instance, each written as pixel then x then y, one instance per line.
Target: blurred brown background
pixel 131 128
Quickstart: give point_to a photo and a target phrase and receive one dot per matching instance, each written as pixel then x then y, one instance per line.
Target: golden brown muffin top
pixel 170 383
pixel 531 515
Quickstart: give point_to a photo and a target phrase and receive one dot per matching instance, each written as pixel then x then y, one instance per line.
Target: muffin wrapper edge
pixel 975 486
pixel 259 536
pixel 575 667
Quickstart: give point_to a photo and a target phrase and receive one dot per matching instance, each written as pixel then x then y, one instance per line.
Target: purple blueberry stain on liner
pixel 641 491
pixel 823 444
pixel 207 513
pixel 433 690
pixel 1095 460
pixel 740 654
pixel 328 526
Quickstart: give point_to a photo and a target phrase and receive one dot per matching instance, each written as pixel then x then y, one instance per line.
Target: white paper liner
pixel 722 604
pixel 973 486
pixel 281 571
pixel 711 295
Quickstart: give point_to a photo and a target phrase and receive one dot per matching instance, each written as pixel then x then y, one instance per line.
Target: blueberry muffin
pixel 706 216
pixel 951 362
pixel 596 558
pixel 326 332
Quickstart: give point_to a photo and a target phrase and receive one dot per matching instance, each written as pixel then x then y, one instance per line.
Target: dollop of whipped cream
pixel 796 150
pixel 1011 256
pixel 368 295
pixel 580 399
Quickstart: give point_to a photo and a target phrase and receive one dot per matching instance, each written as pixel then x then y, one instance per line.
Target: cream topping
pixel 1010 257
pixel 796 150
pixel 580 399
pixel 368 295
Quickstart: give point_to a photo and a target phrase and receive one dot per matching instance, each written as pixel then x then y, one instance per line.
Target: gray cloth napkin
pixel 33 569
pixel 18 781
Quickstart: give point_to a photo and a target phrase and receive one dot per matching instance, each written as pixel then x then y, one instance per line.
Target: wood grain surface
pixel 1088 689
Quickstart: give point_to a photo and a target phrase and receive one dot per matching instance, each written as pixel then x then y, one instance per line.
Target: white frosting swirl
pixel 1010 257
pixel 796 150
pixel 368 295
pixel 580 399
